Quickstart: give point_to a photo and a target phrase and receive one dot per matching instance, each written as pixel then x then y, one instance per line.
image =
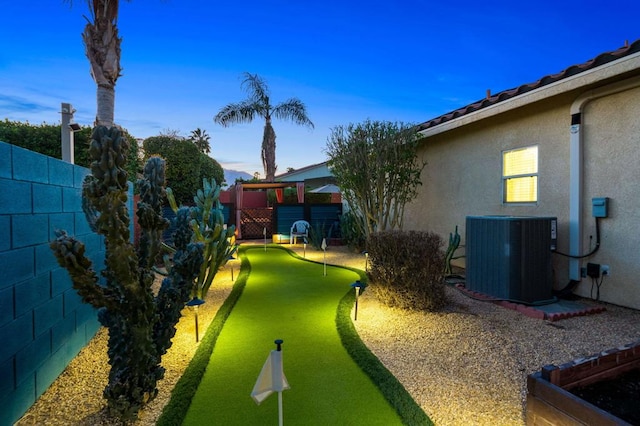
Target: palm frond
pixel 293 109
pixel 240 112
pixel 256 87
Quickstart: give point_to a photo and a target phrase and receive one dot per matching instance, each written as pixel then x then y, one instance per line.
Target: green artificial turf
pixel 290 299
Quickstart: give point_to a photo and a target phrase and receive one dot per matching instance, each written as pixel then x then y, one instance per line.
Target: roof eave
pixel 584 79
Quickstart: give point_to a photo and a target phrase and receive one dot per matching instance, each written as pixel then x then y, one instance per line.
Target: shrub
pixel 406 269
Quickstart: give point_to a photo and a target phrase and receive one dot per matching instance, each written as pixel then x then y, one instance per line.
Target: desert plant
pixel 141 324
pixel 406 269
pixel 207 224
pixel 319 231
pixel 454 243
pixel 352 233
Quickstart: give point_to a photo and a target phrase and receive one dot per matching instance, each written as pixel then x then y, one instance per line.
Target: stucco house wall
pixel 463 176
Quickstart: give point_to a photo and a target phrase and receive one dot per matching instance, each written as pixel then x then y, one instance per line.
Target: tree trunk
pixel 269 152
pixel 102 47
pixel 106 99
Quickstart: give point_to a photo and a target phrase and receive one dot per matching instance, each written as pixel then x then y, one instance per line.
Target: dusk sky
pixel 347 61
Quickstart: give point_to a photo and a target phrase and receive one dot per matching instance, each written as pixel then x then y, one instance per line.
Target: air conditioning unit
pixel 509 257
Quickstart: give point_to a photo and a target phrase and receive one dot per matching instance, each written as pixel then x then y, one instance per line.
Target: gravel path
pixel 465 365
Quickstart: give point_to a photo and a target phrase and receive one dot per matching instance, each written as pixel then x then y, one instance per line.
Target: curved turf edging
pixel 175 411
pixel 390 387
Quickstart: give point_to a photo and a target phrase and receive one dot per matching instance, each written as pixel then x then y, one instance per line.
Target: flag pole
pixel 271 379
pixel 324 249
pixel 278 343
pixel 280 408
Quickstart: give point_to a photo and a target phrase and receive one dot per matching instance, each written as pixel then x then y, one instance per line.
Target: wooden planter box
pixel 550 402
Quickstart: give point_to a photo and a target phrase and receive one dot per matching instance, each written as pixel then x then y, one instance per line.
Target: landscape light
pixel 366 260
pixel 193 305
pixel 357 285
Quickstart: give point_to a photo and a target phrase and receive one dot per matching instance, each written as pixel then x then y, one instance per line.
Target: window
pixel 520 175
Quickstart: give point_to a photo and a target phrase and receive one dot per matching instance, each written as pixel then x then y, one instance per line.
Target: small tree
pixel 376 166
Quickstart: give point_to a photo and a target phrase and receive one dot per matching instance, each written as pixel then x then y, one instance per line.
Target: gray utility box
pixel 509 257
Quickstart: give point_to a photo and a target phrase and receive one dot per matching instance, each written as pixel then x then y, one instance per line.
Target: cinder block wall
pixel 43 323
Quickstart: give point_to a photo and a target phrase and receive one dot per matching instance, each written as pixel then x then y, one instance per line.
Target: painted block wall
pixel 43 322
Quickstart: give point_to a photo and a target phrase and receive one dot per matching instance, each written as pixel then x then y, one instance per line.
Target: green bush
pixel 406 269
pixel 46 139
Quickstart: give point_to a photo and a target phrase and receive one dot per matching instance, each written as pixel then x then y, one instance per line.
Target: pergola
pixel 279 188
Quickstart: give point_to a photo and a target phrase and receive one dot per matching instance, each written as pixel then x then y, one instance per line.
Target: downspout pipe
pixel 576 164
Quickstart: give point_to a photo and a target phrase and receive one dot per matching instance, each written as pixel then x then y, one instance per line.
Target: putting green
pixel 290 299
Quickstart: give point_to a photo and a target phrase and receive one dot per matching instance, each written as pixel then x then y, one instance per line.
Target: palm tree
pixel 102 47
pixel 258 104
pixel 201 139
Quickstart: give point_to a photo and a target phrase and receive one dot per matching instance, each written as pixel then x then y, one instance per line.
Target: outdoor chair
pixel 300 228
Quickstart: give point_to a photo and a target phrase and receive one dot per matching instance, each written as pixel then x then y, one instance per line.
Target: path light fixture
pixel 193 305
pixel 357 285
pixel 231 264
pixel 304 245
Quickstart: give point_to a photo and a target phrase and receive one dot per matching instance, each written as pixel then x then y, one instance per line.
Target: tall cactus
pixel 207 224
pixel 141 324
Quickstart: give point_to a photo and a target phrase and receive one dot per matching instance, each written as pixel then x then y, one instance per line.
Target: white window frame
pixel 534 174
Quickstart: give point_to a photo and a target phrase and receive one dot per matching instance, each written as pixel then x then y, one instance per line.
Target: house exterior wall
pixel 463 177
pixel 612 169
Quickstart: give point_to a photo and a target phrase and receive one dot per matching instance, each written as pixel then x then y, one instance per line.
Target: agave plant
pixel 208 227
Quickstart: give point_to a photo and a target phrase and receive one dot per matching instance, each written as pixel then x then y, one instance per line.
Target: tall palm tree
pixel 102 47
pixel 201 139
pixel 258 104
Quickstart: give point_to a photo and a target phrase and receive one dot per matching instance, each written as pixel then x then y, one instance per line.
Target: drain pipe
pixel 576 166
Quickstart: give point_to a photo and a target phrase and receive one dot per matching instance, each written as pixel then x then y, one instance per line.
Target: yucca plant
pixel 207 224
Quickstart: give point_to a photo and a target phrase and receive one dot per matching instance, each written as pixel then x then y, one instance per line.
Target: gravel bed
pixel 465 365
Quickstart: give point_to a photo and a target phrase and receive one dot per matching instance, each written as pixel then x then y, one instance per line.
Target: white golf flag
pixel 271 378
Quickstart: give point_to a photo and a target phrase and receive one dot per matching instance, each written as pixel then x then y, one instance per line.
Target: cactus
pixel 454 243
pixel 207 224
pixel 141 324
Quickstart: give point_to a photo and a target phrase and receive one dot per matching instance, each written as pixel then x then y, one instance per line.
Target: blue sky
pixel 347 61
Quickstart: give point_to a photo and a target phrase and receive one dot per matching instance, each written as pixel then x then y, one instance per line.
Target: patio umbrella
pixel 327 189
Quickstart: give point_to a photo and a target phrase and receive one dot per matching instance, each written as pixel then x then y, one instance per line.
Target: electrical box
pixel 600 206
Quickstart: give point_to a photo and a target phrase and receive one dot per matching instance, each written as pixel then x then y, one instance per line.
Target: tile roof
pixel 599 60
